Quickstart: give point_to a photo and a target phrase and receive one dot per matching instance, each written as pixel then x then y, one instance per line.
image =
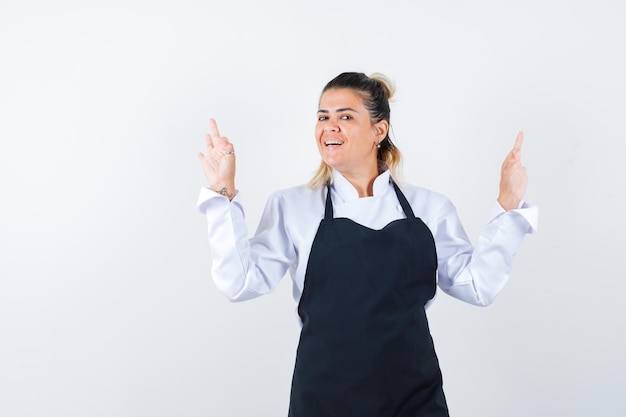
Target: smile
pixel 333 143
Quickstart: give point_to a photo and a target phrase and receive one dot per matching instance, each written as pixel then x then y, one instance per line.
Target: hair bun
pixel 387 85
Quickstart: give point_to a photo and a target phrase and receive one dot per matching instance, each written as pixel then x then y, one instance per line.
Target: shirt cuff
pixel 527 213
pixel 207 196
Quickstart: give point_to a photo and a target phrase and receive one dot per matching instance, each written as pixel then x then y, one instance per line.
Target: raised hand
pixel 513 178
pixel 219 162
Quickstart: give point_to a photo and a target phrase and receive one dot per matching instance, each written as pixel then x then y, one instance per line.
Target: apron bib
pixel 365 348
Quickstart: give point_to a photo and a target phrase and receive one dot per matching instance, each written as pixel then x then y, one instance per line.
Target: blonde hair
pixel 376 91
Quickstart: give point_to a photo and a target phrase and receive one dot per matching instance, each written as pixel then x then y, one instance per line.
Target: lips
pixel 333 143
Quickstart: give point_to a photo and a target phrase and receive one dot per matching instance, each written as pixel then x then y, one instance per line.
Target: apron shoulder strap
pixel 408 211
pixel 328 213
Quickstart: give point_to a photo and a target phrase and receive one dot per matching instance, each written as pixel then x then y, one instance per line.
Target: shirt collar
pixel 342 187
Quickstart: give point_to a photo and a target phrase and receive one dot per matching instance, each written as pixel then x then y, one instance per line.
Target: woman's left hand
pixel 513 178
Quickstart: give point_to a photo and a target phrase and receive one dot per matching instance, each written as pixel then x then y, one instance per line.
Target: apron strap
pixel 328 214
pixel 408 211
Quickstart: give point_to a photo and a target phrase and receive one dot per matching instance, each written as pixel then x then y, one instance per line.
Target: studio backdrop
pixel 107 307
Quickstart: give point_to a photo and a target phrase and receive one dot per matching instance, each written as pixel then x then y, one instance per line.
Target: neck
pixel 363 183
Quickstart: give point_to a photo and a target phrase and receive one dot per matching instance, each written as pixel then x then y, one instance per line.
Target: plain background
pixel 107 307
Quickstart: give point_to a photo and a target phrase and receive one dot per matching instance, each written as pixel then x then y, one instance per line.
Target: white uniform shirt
pixel 246 268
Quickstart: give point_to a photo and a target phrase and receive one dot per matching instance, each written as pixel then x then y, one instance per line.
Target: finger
pixel 201 156
pixel 515 155
pixel 518 142
pixel 213 128
pixel 226 146
pixel 209 142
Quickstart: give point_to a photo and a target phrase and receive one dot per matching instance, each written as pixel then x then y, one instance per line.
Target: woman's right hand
pixel 219 162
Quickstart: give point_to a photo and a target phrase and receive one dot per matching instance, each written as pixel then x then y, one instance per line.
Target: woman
pixel 365 257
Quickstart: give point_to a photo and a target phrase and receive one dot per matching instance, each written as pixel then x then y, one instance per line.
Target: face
pixel 346 137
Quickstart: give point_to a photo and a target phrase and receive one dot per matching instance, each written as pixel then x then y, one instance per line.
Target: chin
pixel 333 163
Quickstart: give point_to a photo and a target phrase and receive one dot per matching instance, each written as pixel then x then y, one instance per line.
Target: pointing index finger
pixel 215 133
pixel 518 142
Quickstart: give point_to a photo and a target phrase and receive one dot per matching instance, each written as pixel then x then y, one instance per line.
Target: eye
pixel 346 117
pixel 322 118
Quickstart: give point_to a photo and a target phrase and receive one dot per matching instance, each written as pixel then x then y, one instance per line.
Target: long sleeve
pixel 245 268
pixel 476 274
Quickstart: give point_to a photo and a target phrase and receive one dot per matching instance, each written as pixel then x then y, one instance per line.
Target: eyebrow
pixel 338 110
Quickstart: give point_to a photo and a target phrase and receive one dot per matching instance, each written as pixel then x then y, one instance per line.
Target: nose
pixel 331 125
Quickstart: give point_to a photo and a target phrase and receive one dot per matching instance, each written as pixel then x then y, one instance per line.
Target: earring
pixel 378 145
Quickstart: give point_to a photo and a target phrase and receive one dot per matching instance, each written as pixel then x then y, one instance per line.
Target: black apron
pixel 365 348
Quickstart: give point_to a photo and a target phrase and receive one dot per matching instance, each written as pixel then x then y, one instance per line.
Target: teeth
pixel 333 143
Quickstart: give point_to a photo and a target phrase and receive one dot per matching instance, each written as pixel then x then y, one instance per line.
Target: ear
pixel 382 128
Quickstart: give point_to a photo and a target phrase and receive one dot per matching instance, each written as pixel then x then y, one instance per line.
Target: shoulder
pixel 428 204
pixel 296 199
pixel 298 192
pixel 418 194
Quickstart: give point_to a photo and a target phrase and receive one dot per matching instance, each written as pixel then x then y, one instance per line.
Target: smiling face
pixel 346 137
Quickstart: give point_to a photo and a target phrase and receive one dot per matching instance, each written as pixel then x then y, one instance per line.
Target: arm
pixel 245 268
pixel 477 274
pixel 241 268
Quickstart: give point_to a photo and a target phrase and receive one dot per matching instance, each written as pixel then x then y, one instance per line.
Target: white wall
pixel 106 303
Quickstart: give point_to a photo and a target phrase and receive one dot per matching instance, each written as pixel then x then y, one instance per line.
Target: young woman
pixel 365 256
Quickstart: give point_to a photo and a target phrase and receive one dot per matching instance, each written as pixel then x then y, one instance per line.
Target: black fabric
pixel 365 348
